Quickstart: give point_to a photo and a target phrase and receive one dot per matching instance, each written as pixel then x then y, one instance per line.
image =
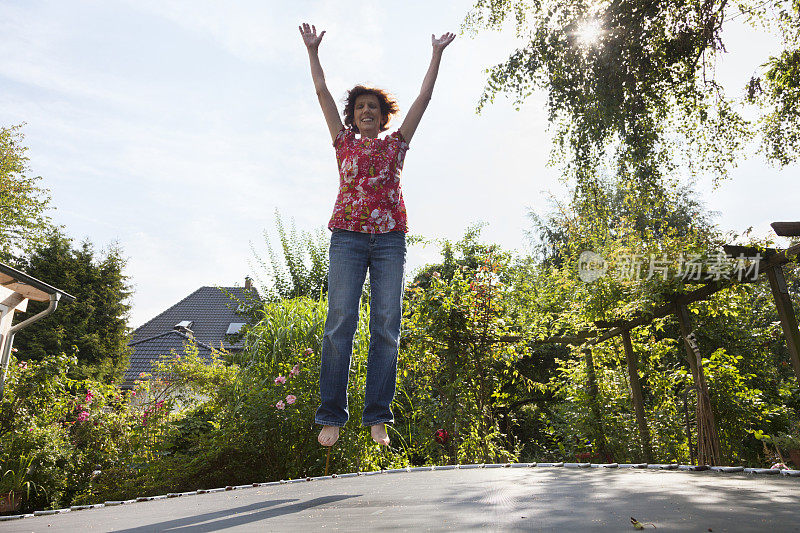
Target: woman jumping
pixel 368 233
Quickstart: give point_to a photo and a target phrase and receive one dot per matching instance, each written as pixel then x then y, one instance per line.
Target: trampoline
pixel 519 497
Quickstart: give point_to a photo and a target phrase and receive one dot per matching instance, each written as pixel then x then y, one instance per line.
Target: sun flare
pixel 589 32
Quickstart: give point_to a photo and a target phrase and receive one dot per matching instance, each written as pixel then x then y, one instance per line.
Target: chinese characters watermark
pixel 692 267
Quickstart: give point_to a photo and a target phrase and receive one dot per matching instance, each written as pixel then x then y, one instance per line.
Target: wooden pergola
pixel 16 288
pixel 708 442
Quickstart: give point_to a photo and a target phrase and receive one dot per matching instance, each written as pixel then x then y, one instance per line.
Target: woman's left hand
pixel 441 43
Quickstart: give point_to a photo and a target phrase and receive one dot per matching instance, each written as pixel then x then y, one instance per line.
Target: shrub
pixel 68 429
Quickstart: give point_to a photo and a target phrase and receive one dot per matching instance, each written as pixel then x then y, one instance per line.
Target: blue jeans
pixel 351 255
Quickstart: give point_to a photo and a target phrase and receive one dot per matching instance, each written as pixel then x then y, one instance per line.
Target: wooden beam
pixel 575 340
pixel 663 310
pixel 605 324
pixel 636 394
pixel 779 258
pixel 783 302
pixel 11 299
pixel 786 229
pixel 784 256
pixel 772 259
pixel 735 250
pixel 32 293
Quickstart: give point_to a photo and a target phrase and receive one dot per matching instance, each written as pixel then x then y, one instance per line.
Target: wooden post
pixel 594 403
pixel 707 440
pixel 688 424
pixel 786 313
pixel 327 460
pixel 636 393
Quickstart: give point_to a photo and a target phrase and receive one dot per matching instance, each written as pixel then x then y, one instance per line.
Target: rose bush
pixel 69 429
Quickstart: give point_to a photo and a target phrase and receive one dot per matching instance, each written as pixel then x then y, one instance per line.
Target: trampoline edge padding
pixel 577 466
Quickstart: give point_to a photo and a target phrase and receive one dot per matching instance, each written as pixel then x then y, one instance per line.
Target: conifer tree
pixel 95 326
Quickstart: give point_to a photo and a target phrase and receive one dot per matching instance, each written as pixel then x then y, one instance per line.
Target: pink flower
pixel 308 351
pixel 30 429
pixel 83 416
pixel 294 371
pixel 280 380
pixel 291 399
pixel 89 397
pixel 280 405
pixel 141 374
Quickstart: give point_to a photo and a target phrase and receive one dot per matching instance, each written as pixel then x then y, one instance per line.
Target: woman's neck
pixel 368 134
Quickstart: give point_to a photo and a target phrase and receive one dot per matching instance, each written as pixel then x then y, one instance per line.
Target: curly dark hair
pixel 389 107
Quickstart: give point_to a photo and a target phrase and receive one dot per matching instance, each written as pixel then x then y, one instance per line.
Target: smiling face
pixel 367 115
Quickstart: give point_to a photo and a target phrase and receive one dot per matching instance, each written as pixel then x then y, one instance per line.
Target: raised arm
pixel 417 109
pixel 312 40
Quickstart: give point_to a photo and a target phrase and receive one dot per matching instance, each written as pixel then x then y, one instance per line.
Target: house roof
pixel 211 311
pixel 147 350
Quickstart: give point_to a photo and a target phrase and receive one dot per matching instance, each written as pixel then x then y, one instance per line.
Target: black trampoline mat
pixel 504 499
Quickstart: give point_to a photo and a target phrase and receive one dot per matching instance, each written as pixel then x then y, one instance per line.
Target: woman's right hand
pixel 310 37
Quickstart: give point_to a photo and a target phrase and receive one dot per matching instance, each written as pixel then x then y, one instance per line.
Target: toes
pixel 328 437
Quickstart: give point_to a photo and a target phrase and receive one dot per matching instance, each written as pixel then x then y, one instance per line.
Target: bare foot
pixel 328 436
pixel 378 432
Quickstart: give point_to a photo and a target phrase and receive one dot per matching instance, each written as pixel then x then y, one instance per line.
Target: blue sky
pixel 177 128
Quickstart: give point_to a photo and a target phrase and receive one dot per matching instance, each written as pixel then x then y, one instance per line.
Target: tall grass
pixel 285 325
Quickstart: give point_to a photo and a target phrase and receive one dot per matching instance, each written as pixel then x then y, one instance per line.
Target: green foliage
pixel 15 480
pixel 746 365
pixel 620 90
pixel 302 267
pixel 249 416
pixel 631 86
pixel 459 354
pixel 63 430
pixel 94 326
pixel 24 204
pixel 280 327
pixel 475 385
pixel 632 105
pixel 780 97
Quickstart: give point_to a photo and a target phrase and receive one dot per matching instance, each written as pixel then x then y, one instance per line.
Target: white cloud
pixel 245 29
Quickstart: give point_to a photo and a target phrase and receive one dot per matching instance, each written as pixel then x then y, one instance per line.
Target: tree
pixel 23 203
pixel 94 326
pixel 631 85
pixel 780 96
pixel 681 213
pixel 635 108
pixel 459 352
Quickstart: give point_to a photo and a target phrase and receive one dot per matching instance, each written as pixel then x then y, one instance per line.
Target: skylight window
pixel 234 328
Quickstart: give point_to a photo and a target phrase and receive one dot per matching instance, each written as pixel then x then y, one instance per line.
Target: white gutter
pixel 9 339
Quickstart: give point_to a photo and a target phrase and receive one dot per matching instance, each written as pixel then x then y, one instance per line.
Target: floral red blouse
pixel 370 199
